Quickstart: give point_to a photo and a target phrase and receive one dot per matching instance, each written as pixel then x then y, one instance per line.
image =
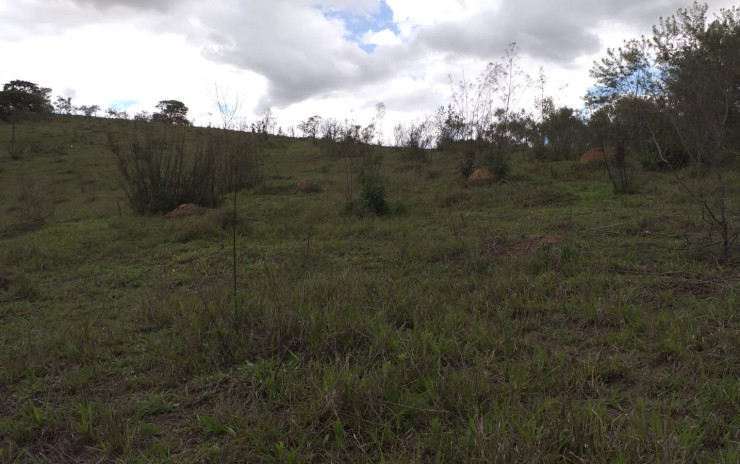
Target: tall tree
pixel 699 62
pixel 311 127
pixel 626 84
pixel 64 105
pixel 19 98
pixel 563 133
pixel 172 112
pixel 680 87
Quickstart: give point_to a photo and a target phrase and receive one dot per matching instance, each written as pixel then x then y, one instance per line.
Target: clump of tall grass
pixel 161 169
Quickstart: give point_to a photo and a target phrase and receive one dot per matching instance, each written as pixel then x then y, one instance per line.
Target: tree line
pixel 644 92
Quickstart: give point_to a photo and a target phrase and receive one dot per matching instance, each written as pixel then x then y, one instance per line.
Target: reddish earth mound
pixel 307 185
pixel 526 246
pixel 594 154
pixel 182 210
pixel 481 174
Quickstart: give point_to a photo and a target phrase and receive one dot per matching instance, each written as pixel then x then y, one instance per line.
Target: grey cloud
pixel 42 17
pixel 301 53
pixel 556 31
pixel 157 5
pixel 419 101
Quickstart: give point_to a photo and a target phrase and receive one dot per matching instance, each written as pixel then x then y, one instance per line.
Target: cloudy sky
pixel 336 58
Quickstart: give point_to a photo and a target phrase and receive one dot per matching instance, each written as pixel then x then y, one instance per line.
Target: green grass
pixel 394 339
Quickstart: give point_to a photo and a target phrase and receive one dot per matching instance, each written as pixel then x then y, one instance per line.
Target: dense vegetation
pixel 332 300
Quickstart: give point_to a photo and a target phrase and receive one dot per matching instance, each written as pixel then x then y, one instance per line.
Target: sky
pixel 334 58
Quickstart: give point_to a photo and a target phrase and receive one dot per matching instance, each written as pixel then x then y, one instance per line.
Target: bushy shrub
pixel 497 163
pixel 34 206
pixel 373 196
pixel 467 165
pixel 674 157
pixel 16 150
pixel 161 171
pixel 539 150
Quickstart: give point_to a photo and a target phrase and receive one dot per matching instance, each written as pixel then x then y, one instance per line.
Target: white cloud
pixel 384 37
pixel 361 7
pixel 293 55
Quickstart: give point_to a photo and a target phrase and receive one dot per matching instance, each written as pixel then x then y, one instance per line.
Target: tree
pixel 699 67
pixel 679 88
pixel 416 138
pixel 266 124
pixel 311 127
pixel 562 133
pixel 143 116
pixel 228 107
pixel 172 112
pixel 19 98
pixel 91 110
pixel 621 104
pixel 514 82
pixel 483 110
pixel 116 114
pixel 63 105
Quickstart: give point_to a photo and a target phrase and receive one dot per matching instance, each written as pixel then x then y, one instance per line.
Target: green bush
pixel 16 150
pixel 467 165
pixel 497 163
pixel 675 158
pixel 373 197
pixel 161 172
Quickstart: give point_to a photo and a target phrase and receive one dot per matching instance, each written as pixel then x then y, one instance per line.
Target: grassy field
pixel 449 331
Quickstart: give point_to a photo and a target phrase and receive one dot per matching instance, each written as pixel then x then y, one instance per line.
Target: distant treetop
pixel 172 112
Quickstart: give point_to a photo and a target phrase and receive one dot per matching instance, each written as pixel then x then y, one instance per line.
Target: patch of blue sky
pixel 359 24
pixel 122 105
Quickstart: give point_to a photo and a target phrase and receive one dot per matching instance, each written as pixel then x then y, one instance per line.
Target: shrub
pixel 373 197
pixel 16 150
pixel 498 164
pixel 33 205
pixel 467 166
pixel 159 175
pixel 674 157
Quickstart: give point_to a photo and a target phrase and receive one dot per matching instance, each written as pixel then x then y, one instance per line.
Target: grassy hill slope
pixel 538 319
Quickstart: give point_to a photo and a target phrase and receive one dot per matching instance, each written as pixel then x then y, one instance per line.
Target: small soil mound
pixel 594 154
pixel 526 246
pixel 182 210
pixel 481 175
pixel 307 185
